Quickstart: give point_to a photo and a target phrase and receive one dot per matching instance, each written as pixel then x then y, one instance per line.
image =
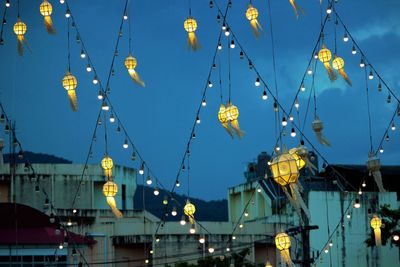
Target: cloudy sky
pixel 159 117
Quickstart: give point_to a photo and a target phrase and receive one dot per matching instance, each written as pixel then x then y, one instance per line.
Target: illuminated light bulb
pixel 204 103
pixel 241 55
pixel 126 144
pixel 146 261
pixel 360 192
pixel 381 150
pixel 198 120
pixel 264 95
pixel 316 55
pixel 156 192
pixel 202 240
pixel 309 71
pixel 370 75
pixel 68 13
pixel 227 32
pixel 148 180
pixel 348 215
pixel 259 190
pixel 284 122
pixel 291 118
pixel 100 95
pixel 151 251
pixel 362 63
pixel 182 221
pixel 157 239
pixel 112 118
pixel 232 45
pixel 293 133
pixel 297 104
pixel 165 200
pixel 177 183
pixel 353 50
pixel 69 223
pixel 223 26
pixel 219 46
pixel 104 106
pixel 241 225
pixel 277 148
pixel 8 3
pixel 357 203
pixel 364 184
pixel 95 80
pixel 257 82
pixel 329 10
pixel 74 211
pixel 62 1
pixel 326 250
pixel 330 243
pixel 345 37
pixel 141 170
pixel 233 237
pixel 396 238
pixel 393 127
pixel 210 84
pixel 246 214
pixel 211 250
pixel 125 17
pixel 88 68
pixel 174 212
pixel 83 54
pixel 61 246
pixel 302 87
pixel 228 249
pixel 192 229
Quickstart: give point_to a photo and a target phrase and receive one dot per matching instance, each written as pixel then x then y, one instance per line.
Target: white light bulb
pixel 348 215
pixel 219 46
pixel 125 145
pixel 264 96
pixel 257 82
pixel 182 221
pixel 302 87
pixel 68 13
pixel 95 81
pixel 381 150
pixel 353 50
pixel 100 95
pixel 112 118
pixel 62 1
pixel 88 68
pixel 174 212
pixel 125 17
pixel 233 237
pixel 61 246
pixel 211 250
pixel 309 71
pixel 329 10
pixel 148 180
pixel 396 238
pixel 204 103
pixel 192 230
pixel 83 54
pixel 202 240
pixel 293 133
pixel 364 184
pixel 259 190
pixel 156 192
pixel 227 32
pixel 345 38
pixel 232 45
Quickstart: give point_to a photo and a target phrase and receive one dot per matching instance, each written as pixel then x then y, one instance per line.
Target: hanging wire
pixel 229 72
pixel 220 78
pixel 369 111
pixel 68 45
pixel 105 132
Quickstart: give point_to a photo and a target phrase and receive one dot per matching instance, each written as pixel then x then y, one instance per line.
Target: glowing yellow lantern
pixel 232 114
pixel 190 25
pixel 325 56
pixel 20 29
pixel 282 242
pixel 189 209
pixel 252 15
pixel 223 119
pixel 268 264
pixel 107 165
pixel 284 169
pixel 130 64
pixel 110 190
pixel 338 64
pixel 70 83
pixel 296 8
pixel 376 224
pixel 46 10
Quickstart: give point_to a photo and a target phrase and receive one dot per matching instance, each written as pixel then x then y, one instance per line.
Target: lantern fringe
pixel 331 73
pixel 285 254
pixel 20 46
pixel 377 234
pixel 378 180
pixel 294 203
pixel 135 77
pixel 345 77
pixel 48 22
pixel 296 7
pixel 193 43
pixel 113 205
pixel 322 139
pixel 191 219
pixel 256 27
pixel 295 188
pixel 228 129
pixel 236 128
pixel 310 166
pixel 72 100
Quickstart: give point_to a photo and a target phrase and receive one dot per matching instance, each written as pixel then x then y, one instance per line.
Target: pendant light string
pixel 369 111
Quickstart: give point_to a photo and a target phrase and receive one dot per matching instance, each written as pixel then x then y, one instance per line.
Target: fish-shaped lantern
pixel 189 209
pixel 376 224
pixel 297 9
pixel 252 15
pixel 338 64
pixel 46 10
pixel 110 190
pixel 325 56
pixel 374 166
pixel 130 64
pixel 190 26
pixel 20 29
pixel 318 126
pixel 70 83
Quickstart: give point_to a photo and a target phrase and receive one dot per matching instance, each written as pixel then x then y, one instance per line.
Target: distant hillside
pixel 37 158
pixel 216 210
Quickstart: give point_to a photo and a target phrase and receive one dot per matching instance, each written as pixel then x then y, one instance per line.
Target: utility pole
pixel 305 241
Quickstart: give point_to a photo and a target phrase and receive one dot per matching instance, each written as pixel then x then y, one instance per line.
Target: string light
pixel 83 54
pixel 148 180
pixel 62 2
pixel 297 104
pixel 177 183
pixel 100 95
pixel 95 80
pixel 232 45
pixel 8 3
pixel 74 211
pixel 345 37
pixel 112 118
pixel 371 75
pixel 362 63
pixel 381 150
pixel 219 46
pixel 227 32
pixel 69 223
pixel 202 240
pixel 198 120
pixel 284 122
pixel 316 55
pixel 211 4
pixel 126 144
pixel 223 27
pixel 291 118
pixel 174 212
pixel 359 191
pixel 264 95
pixel 156 192
pixel 257 82
pixel 211 249
pixel 302 87
pixel 393 127
pixel 293 133
pixel 357 203
pixel 329 10
pixel 387 137
pixel 61 246
pixel 396 238
pixel 141 170
pixel 246 214
pixel 165 200
pixel 88 68
pixel 241 55
pixel 125 16
pixel 182 221
pixel 259 190
pixel 210 84
pixel 204 103
pixel 348 215
pixel 67 13
pixel 353 50
pixel 330 243
pixel 192 229
pixel 309 71
pixel 104 106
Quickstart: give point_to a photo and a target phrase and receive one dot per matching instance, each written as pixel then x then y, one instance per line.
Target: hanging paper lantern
pixel 107 165
pixel 252 15
pixel 223 119
pixel 46 10
pixel 20 29
pixel 302 160
pixel 376 224
pixel 296 8
pixel 374 166
pixel 268 264
pixel 282 242
pixel 190 26
pixel 189 209
pixel 110 190
pixel 232 114
pixel 130 64
pixel 70 83
pixel 325 56
pixel 338 64
pixel 318 126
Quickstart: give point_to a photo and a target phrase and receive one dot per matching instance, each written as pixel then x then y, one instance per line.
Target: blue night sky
pixel 159 117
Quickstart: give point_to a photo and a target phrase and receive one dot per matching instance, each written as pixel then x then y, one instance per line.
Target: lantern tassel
pixel 193 43
pixel 294 203
pixel 299 199
pixel 378 180
pixel 256 27
pixel 286 257
pixel 331 73
pixel 297 8
pixel 236 128
pixel 322 139
pixel 113 205
pixel 228 129
pixel 135 77
pixel 191 219
pixel 20 46
pixel 345 77
pixel 108 173
pixel 48 22
pixel 377 234
pixel 72 100
pixel 310 166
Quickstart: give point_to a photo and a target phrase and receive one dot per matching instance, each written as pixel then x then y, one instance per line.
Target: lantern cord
pixel 229 72
pixel 188 175
pixel 105 131
pixel 335 31
pixel 369 110
pixel 220 78
pixel 190 7
pixel 18 7
pixel 2 25
pixel 68 45
pixel 130 32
